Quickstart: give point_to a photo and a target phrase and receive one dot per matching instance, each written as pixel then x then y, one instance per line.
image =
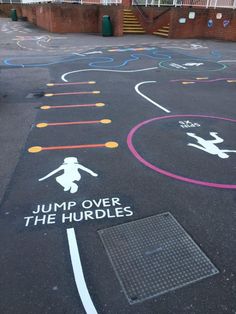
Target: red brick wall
pixel 43 16
pixel 6 9
pixel 74 18
pixel 198 27
pixel 29 11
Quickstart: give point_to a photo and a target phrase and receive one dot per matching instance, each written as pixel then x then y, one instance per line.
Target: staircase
pixel 163 31
pixel 131 24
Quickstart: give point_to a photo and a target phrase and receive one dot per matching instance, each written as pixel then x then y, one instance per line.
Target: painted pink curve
pixel 167 173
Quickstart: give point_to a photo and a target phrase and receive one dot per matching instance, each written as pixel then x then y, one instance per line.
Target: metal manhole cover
pixel 154 255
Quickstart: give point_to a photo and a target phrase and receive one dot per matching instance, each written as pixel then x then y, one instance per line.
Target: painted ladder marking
pixel 38 149
pixel 147 98
pixel 78 273
pixel 98 104
pixel 45 124
pixel 71 93
pixel 72 83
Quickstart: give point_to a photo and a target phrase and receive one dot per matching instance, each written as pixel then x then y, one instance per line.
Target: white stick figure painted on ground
pixel 209 146
pixel 71 174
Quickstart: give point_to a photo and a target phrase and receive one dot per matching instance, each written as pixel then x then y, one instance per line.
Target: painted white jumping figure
pixel 209 146
pixel 71 174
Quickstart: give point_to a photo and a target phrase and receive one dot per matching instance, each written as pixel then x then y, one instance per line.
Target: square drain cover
pixel 154 255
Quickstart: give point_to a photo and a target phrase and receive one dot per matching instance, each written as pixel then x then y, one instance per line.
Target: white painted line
pixel 147 98
pixel 227 61
pixel 63 77
pixel 78 273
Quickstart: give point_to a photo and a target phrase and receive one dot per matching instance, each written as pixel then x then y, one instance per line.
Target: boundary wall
pixel 74 18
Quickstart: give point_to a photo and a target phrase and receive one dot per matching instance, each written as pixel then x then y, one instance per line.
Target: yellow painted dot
pixel 50 84
pixel 35 149
pixel 231 81
pixel 201 78
pixel 92 82
pixel 105 121
pixel 45 107
pixel 111 144
pixel 48 95
pixel 185 83
pixel 96 92
pixel 100 104
pixel 41 125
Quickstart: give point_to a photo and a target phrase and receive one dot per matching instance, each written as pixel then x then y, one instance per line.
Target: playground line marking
pixel 78 273
pixel 71 93
pixel 38 149
pixel 72 83
pixel 45 124
pixel 147 98
pixel 98 104
pixel 63 77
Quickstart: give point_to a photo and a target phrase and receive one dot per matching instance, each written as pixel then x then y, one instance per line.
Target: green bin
pixel 106 26
pixel 13 15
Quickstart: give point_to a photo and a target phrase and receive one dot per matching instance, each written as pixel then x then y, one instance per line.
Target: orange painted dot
pixel 35 149
pixel 48 95
pixel 96 92
pixel 231 81
pixel 41 125
pixel 111 145
pixel 100 104
pixel 45 107
pixel 105 121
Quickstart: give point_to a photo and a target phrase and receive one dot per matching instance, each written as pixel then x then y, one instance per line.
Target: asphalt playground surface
pixel 118 174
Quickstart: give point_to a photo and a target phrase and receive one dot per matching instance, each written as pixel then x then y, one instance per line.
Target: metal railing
pixel 188 3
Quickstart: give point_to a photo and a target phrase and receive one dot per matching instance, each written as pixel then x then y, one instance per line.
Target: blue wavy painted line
pixel 134 57
pixel 96 63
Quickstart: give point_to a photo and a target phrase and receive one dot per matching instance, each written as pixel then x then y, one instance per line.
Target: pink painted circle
pixel 167 173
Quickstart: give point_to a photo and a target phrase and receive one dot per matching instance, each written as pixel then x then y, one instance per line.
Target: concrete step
pixel 137 28
pixel 160 34
pixel 131 24
pixel 133 32
pixel 163 31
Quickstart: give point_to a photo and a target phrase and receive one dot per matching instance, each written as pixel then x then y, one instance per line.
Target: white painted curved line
pixel 63 77
pixel 78 273
pixel 147 98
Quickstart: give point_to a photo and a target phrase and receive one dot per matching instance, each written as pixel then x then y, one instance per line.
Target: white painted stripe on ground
pixel 227 61
pixel 147 98
pixel 63 77
pixel 78 273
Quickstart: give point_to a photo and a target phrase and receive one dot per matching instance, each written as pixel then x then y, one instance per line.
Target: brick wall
pixel 5 8
pixel 198 27
pixel 74 18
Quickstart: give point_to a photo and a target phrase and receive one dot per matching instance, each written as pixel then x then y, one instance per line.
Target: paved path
pixel 123 195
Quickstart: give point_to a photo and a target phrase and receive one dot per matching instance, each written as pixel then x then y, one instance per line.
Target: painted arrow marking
pixel 147 98
pixel 45 124
pixel 71 93
pixel 98 104
pixel 38 149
